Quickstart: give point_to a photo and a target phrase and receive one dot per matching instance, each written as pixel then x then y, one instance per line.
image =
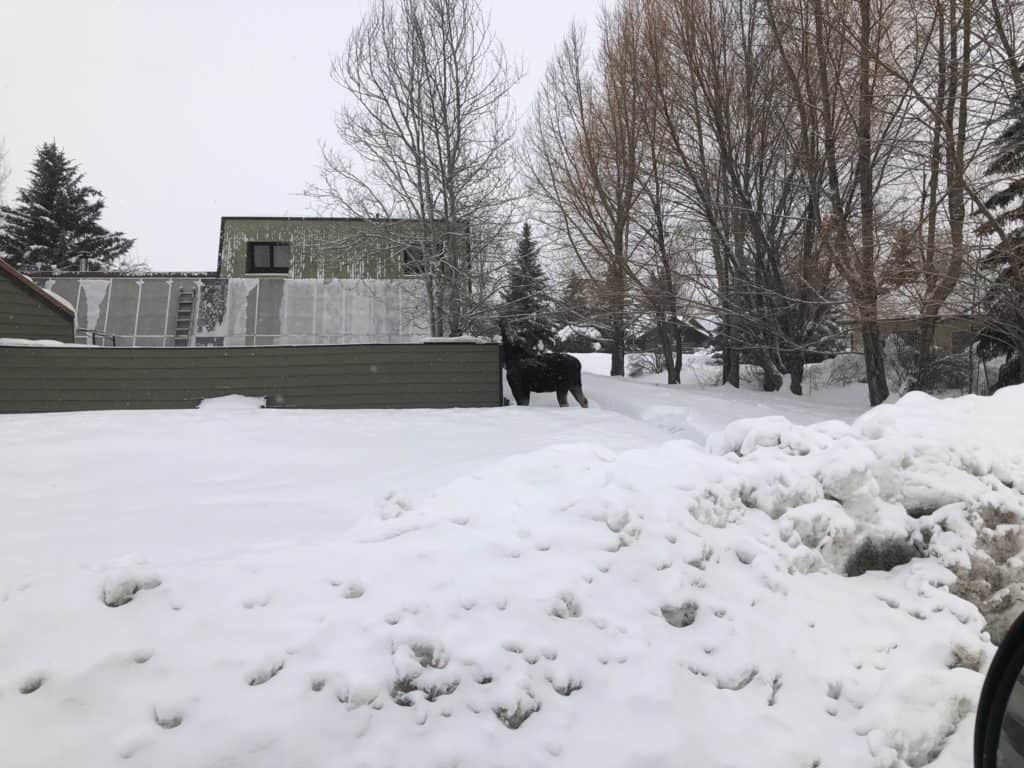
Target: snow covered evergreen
pixel 527 303
pixel 55 222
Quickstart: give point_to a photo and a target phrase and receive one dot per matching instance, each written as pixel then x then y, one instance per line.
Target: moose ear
pixel 999 724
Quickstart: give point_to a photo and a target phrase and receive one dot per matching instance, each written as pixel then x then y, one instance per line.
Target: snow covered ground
pixel 506 587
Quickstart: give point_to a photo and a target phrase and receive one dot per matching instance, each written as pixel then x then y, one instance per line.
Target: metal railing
pixel 96 338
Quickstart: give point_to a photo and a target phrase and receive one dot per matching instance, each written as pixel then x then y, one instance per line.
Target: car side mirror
pixel 999 724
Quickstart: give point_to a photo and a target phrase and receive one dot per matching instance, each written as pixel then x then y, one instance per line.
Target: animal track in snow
pixel 513 718
pixel 168 719
pixel 680 616
pixel 32 684
pixel 260 676
pixel 566 687
pixel 353 590
pixel 566 606
pixel 121 589
pixel 736 683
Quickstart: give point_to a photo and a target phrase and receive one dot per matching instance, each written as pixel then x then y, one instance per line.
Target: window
pixel 413 262
pixel 269 257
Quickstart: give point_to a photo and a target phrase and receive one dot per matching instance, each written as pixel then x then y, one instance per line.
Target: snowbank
pixel 577 605
pixel 232 403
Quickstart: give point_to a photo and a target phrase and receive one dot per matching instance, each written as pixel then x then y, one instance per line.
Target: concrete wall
pixel 322 249
pixel 43 379
pixel 141 312
pixel 25 315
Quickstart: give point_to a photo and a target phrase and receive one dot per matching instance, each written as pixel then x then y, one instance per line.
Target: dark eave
pixel 26 283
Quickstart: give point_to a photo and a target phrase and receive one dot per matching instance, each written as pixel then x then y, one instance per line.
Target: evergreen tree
pixel 527 305
pixel 54 222
pixel 1003 303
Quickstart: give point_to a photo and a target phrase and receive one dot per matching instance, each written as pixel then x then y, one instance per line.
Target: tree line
pixel 784 166
pixel 791 170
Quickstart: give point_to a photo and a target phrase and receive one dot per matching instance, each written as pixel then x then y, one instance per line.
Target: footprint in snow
pixel 168 717
pixel 260 676
pixel 31 684
pixel 121 588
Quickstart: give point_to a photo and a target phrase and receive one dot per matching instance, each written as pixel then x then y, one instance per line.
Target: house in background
pixel 319 248
pixel 28 311
pixel 278 281
pixel 900 312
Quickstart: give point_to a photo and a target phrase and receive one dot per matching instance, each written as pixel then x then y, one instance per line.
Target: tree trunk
pixel 617 297
pixel 677 364
pixel 618 348
pixel 669 351
pixel 772 381
pixel 924 376
pixel 874 362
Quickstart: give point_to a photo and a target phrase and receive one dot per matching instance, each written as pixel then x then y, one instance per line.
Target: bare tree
pixel 427 134
pixel 585 149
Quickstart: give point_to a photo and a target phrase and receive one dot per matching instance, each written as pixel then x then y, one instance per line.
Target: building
pixel 278 281
pixel 319 248
pixel 900 312
pixel 28 311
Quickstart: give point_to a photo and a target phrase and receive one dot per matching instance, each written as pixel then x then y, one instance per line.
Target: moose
pixel 528 371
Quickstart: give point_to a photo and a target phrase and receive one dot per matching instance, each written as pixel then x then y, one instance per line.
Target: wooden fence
pixel 452 375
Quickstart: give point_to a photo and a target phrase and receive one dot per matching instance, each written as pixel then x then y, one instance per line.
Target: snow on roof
pixel 586 331
pixel 9 342
pixel 61 299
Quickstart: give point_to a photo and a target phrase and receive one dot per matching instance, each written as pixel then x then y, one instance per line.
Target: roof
pixel 105 275
pixel 361 219
pixel 44 295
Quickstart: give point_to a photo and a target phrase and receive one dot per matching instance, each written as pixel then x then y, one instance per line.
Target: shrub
pixel 879 555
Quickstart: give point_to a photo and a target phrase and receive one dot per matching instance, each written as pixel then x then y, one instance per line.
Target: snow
pixel 4 342
pixel 59 299
pixel 698 407
pixel 500 587
pixel 232 403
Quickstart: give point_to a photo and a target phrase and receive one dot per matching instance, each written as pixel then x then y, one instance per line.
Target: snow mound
pixel 571 606
pixel 10 342
pixel 232 403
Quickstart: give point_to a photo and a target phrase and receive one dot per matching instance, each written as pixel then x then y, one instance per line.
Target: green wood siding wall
pixel 23 315
pixel 40 379
pixel 323 249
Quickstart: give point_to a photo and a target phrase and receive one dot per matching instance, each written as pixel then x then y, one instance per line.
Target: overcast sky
pixel 183 111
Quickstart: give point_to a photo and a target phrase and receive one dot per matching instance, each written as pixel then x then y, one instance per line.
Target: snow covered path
pixel 100 484
pixel 698 407
pixel 510 587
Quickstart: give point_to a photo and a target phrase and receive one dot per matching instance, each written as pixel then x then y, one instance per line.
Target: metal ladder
pixel 183 326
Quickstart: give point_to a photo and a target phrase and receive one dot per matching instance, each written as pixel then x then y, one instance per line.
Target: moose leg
pixel 577 392
pixel 563 398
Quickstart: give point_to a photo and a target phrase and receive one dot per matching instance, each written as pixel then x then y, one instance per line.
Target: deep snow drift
pixel 513 587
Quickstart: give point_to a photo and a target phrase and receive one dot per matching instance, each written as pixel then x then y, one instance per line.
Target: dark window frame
pixel 251 267
pixel 413 262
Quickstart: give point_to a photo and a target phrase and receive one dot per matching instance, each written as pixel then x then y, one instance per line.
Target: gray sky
pixel 184 111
